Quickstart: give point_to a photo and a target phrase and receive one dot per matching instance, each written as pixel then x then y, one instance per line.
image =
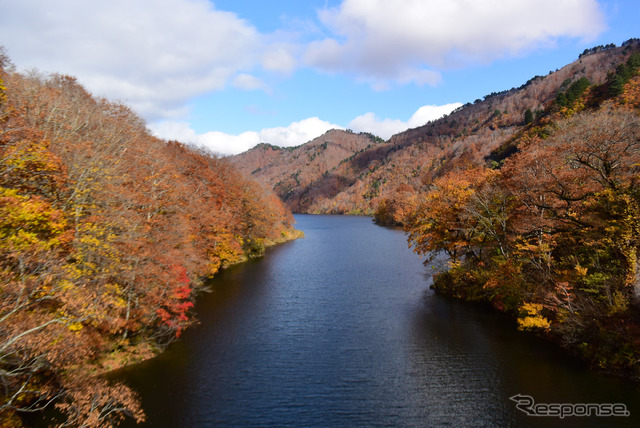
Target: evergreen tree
pixel 528 116
pixel 616 85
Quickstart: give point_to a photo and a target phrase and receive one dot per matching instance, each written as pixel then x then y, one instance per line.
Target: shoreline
pixel 125 354
pixel 579 354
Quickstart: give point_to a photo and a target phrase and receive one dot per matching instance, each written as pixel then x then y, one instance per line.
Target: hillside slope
pixel 105 232
pixel 303 175
pixel 546 226
pixel 360 182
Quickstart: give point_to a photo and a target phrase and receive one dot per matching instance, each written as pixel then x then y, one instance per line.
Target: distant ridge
pixel 354 173
pixel 306 173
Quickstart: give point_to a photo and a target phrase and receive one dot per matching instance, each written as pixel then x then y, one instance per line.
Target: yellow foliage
pixel 114 295
pixel 3 96
pixel 619 303
pixel 28 223
pixel 581 271
pixel 75 326
pixel 531 318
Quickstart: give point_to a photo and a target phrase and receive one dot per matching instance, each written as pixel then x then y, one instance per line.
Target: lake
pixel 340 328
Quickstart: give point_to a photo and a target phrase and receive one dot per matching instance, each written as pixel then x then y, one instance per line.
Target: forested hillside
pixel 534 195
pixel 105 235
pixel 546 226
pixel 304 176
pixel 386 176
pixel 106 231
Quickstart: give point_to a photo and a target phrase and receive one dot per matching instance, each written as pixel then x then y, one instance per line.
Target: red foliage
pixel 105 233
pixel 177 304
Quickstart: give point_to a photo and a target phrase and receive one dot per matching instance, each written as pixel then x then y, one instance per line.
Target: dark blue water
pixel 340 329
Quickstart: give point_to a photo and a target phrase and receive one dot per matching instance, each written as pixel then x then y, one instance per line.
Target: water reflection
pixel 340 329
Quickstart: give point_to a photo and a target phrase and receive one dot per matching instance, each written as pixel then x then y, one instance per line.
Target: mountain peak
pixel 345 172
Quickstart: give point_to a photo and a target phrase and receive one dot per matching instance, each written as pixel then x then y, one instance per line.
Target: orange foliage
pixel 439 222
pixel 105 235
pixel 553 237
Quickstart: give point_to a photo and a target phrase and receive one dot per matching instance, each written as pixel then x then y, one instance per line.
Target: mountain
pixel 531 193
pixel 543 222
pixel 358 177
pixel 304 176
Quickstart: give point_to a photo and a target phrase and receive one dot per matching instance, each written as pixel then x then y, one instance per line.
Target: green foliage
pixel 596 49
pixel 374 138
pixel 616 85
pixel 528 116
pixel 634 61
pixel 624 72
pixel 575 90
pixel 561 99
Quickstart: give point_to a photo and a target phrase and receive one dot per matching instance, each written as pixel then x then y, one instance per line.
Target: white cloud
pixel 403 40
pixel 297 132
pixel 152 54
pixel 217 142
pixel 385 128
pixel 248 82
pixel 226 144
pixel 280 58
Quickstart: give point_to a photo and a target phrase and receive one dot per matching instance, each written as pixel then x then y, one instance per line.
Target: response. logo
pixel 526 404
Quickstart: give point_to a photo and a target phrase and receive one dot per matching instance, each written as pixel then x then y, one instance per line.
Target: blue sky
pixel 228 74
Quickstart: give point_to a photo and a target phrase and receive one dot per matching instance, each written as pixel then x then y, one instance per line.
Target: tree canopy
pixel 105 235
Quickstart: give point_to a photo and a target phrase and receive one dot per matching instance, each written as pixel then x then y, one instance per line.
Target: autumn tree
pixel 439 222
pixel 106 233
pixel 552 236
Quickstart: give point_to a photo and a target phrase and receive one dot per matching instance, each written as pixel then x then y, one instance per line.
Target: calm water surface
pixel 340 329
